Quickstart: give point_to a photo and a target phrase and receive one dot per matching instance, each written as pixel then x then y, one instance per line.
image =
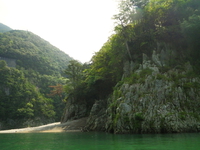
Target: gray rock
pixel 156 59
pixel 157 105
pixel 160 103
pixel 97 118
pixel 74 110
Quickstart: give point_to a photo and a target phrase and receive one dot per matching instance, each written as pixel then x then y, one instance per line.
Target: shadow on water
pixel 98 141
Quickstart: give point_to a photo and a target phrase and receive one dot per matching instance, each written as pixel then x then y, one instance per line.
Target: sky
pixel 77 27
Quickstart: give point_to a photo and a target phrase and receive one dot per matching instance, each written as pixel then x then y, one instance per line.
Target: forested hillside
pixel 31 79
pixel 32 52
pixel 4 28
pixel 145 78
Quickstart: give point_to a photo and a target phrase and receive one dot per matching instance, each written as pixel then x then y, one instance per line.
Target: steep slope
pixel 151 100
pixel 4 28
pixel 21 103
pixel 30 71
pixel 32 52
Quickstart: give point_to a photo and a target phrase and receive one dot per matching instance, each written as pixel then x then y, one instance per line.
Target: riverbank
pixel 69 126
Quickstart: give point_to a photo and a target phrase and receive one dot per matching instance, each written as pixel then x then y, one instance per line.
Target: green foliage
pixel 106 68
pixel 75 86
pixel 3 64
pixel 162 21
pixel 145 72
pixel 116 117
pixel 182 115
pixel 130 11
pixel 139 117
pixel 161 77
pixel 25 88
pixel 191 74
pixel 137 122
pixel 27 111
pixel 20 99
pixel 4 28
pixel 142 26
pixel 190 85
pixel 116 94
pixel 138 77
pixel 134 78
pixel 190 28
pixel 33 52
pixel 74 72
pixel 126 119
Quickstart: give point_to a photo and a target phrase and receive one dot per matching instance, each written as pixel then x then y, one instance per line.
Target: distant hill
pixel 4 28
pixel 32 52
pixel 30 71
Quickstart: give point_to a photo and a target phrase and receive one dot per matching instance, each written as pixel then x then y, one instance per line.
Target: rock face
pixel 96 121
pixel 153 99
pixel 74 110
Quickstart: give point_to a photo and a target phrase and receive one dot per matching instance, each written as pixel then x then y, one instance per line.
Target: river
pixel 98 141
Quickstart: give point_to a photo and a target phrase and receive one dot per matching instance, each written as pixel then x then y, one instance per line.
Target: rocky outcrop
pixel 96 121
pixel 151 99
pixel 74 110
pixel 155 101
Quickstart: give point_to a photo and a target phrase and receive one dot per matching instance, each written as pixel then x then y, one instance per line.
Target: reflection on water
pixel 98 141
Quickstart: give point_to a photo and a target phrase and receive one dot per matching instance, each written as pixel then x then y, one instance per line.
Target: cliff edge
pixel 151 99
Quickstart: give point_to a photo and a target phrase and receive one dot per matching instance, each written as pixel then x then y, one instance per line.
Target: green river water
pixel 98 141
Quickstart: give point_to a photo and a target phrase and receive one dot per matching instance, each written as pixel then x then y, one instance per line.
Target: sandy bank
pixel 70 126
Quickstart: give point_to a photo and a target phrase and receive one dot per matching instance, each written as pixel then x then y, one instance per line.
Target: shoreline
pixel 69 126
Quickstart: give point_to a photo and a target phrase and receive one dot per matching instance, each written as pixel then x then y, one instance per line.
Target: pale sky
pixel 77 27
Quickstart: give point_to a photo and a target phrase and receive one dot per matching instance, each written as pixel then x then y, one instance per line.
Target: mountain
pixel 31 74
pixel 32 52
pixel 4 28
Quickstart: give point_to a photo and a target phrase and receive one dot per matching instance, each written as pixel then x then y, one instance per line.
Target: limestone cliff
pixel 151 99
pixel 74 110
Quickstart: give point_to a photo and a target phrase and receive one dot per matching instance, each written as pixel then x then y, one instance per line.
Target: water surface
pixel 98 141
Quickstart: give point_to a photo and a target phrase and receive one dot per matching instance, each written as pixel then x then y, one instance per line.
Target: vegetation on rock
pixel 150 64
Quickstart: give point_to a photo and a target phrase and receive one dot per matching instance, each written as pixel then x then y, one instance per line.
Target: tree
pixel 2 64
pixel 74 72
pixel 57 90
pixel 129 13
pixel 190 29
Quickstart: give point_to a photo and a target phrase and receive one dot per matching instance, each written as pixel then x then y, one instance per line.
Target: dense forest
pixel 31 79
pixel 164 28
